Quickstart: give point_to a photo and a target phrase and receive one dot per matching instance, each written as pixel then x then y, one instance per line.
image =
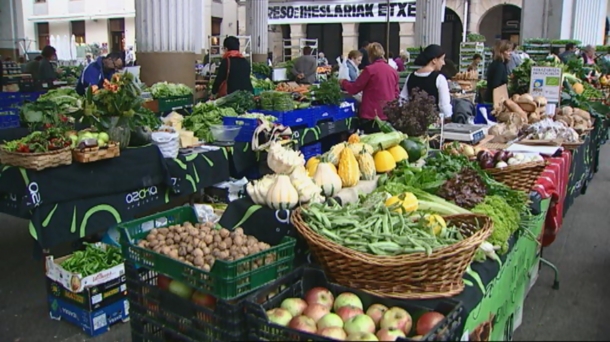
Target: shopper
pixel 365 56
pixel 588 55
pixel 305 67
pixel 98 71
pixel 322 60
pixel 476 61
pixel 497 72
pixel 392 62
pixel 430 79
pixel 354 58
pixel 233 71
pixel 32 67
pixel 130 57
pixel 569 53
pixel 46 70
pixel 515 59
pixel 402 61
pixel 378 83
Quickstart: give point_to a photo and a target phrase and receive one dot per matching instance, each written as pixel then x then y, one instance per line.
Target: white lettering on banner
pixel 400 11
pixel 34 194
pixel 141 194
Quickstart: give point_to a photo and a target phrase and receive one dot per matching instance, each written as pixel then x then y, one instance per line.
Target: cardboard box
pixel 75 282
pixel 93 297
pixel 93 323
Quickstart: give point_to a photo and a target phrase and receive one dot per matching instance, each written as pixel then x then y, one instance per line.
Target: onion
pixel 512 161
pixel 501 164
pixel 428 321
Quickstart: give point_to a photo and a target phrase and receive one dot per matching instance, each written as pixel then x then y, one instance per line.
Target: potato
pixel 165 250
pixel 163 231
pixel 206 267
pixel 238 241
pixel 151 237
pixel 161 237
pixel 224 233
pixel 189 248
pixel 217 239
pixel 182 251
pixel 228 241
pixel 169 242
pixel 173 254
pixel 245 250
pixel 581 113
pixel 208 239
pixel 222 246
pixel 199 262
pixel 206 251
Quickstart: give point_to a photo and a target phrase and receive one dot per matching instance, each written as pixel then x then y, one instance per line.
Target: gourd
pixel 258 189
pixel 358 147
pixel 252 193
pixel 305 186
pixel 335 153
pixel 327 178
pixel 354 138
pixel 311 165
pixel 405 202
pixel 436 223
pixel 348 168
pixel 283 160
pixel 384 161
pixel 282 195
pixel 366 165
pixel 398 153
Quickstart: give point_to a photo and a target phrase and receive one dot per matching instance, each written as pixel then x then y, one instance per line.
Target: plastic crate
pixel 225 321
pixel 10 100
pixel 304 278
pixel 311 150
pixel 248 126
pixel 9 118
pixel 294 118
pixel 172 103
pixel 30 97
pixel 334 113
pixel 226 279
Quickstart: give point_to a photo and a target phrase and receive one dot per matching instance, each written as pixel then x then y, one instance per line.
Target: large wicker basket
pixel 519 177
pixel 409 276
pixel 36 161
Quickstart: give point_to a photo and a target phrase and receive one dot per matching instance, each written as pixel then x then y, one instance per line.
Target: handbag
pixel 223 88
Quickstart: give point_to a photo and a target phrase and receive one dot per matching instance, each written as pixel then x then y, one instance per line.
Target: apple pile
pixel 344 318
pixel 186 292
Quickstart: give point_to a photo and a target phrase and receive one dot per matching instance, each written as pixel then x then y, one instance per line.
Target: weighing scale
pixel 462 132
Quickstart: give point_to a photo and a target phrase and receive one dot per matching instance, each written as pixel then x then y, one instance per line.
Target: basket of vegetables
pixel 518 171
pixel 387 248
pixel 38 151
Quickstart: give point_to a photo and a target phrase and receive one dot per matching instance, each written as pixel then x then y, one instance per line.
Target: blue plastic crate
pixel 311 150
pixel 346 112
pixel 30 97
pixel 248 126
pixel 333 113
pixel 294 118
pixel 10 100
pixel 9 118
pixel 479 119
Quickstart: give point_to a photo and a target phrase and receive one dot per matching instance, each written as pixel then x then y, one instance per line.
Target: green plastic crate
pixel 226 280
pixel 171 103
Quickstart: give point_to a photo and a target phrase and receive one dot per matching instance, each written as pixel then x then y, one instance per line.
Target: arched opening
pixel 451 34
pixel 501 22
pixel 377 32
pixel 330 39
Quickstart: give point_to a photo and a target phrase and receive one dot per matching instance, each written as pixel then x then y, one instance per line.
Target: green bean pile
pixel 92 260
pixel 371 227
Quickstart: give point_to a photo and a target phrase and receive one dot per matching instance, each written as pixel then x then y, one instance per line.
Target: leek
pixel 382 141
pixel 436 204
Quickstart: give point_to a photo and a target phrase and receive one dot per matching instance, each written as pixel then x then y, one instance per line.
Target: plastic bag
pixel 343 70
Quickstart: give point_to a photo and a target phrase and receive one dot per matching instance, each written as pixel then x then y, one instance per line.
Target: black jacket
pixel 239 75
pixel 497 75
pixel 365 59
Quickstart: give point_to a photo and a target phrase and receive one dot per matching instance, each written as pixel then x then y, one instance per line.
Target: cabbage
pixel 165 89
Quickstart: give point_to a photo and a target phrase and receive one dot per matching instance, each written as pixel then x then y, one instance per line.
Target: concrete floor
pixel 577 311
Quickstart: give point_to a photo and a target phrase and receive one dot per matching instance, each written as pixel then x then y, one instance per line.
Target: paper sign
pixel 546 82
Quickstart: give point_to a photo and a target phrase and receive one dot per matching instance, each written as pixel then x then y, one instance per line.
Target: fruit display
pixel 39 142
pixel 87 139
pixel 501 159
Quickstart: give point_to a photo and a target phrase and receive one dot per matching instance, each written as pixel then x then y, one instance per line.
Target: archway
pixel 501 22
pixel 330 39
pixel 451 35
pixel 377 32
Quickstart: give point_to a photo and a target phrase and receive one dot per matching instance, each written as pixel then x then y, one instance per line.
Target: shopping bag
pixel 343 70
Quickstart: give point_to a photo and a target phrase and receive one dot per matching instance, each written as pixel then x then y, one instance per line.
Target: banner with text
pixel 306 13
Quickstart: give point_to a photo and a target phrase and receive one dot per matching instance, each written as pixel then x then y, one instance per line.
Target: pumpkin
pixel 384 161
pixel 398 153
pixel 348 168
pixel 405 202
pixel 311 165
pixel 358 147
pixel 282 195
pixel 354 138
pixel 366 165
pixel 436 223
pixel 327 178
pixel 334 153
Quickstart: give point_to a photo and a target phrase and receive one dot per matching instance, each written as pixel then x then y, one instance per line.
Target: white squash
pixel 253 194
pixel 305 186
pixel 261 187
pixel 282 195
pixel 327 179
pixel 283 160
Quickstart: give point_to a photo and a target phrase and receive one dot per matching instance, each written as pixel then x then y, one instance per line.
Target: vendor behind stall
pixel 305 67
pixel 430 79
pixel 102 69
pixel 46 70
pixel 497 72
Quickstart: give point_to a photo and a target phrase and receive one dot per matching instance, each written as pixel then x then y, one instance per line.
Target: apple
pixel 397 318
pixel 330 320
pixel 316 311
pixel 180 289
pixel 348 312
pixel 347 299
pixel 390 334
pixel 362 337
pixel 335 333
pixel 279 316
pixel 103 136
pixel 428 321
pixel 376 312
pixel 163 282
pixel 295 306
pixel 320 295
pixel 203 299
pixel 303 323
pixel 359 324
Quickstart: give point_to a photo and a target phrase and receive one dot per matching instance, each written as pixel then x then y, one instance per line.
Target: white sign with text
pixel 546 81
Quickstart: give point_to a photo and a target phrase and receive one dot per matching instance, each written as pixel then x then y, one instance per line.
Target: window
pixel 216 22
pixel 42 30
pixel 78 30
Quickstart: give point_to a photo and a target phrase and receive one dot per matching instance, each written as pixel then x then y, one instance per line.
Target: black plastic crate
pixel 297 283
pixel 179 317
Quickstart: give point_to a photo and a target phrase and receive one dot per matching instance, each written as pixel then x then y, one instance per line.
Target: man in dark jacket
pixel 569 53
pixel 233 74
pixel 96 72
pixel 46 70
pixel 365 56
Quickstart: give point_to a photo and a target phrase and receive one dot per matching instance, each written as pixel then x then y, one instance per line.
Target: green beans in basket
pixel 92 260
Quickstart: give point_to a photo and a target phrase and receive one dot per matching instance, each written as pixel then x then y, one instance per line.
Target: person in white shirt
pixel 129 56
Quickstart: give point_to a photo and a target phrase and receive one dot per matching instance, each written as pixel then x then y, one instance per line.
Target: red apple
pixel 362 337
pixel 333 332
pixel 347 299
pixel 303 323
pixel 397 318
pixel 163 282
pixel 203 299
pixel 359 324
pixel 316 311
pixel 295 306
pixel 428 321
pixel 348 312
pixel 319 295
pixel 390 334
pixel 330 320
pixel 279 316
pixel 376 312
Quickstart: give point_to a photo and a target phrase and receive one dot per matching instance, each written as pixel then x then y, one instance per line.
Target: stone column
pixel 589 21
pixel 257 24
pixel 428 22
pixel 167 37
pixel 350 38
pixel 407 35
pixel 297 32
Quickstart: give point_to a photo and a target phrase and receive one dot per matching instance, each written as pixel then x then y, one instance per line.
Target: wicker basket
pixel 36 161
pixel 91 154
pixel 409 276
pixel 519 177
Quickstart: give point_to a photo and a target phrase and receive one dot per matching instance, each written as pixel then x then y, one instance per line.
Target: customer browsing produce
pixel 99 71
pixel 497 73
pixel 233 72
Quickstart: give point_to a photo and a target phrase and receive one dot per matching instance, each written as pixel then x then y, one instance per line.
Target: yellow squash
pixel 366 164
pixel 384 162
pixel 348 168
pixel 436 223
pixel 398 153
pixel 334 154
pixel 578 88
pixel 312 165
pixel 354 138
pixel 358 147
pixel 407 201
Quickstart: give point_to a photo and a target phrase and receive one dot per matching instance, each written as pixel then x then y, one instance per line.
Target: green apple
pixel 103 136
pixel 73 141
pixel 94 135
pixel 86 135
pixel 101 143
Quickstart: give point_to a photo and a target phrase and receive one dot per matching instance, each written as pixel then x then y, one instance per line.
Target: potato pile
pixel 575 118
pixel 201 244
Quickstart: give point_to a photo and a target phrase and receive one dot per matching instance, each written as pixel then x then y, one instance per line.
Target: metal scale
pixel 462 132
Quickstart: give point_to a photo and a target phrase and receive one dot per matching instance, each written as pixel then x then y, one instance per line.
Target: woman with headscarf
pixel 430 79
pixel 497 72
pixel 233 72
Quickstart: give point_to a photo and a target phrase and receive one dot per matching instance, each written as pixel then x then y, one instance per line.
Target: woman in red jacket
pixel 378 83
